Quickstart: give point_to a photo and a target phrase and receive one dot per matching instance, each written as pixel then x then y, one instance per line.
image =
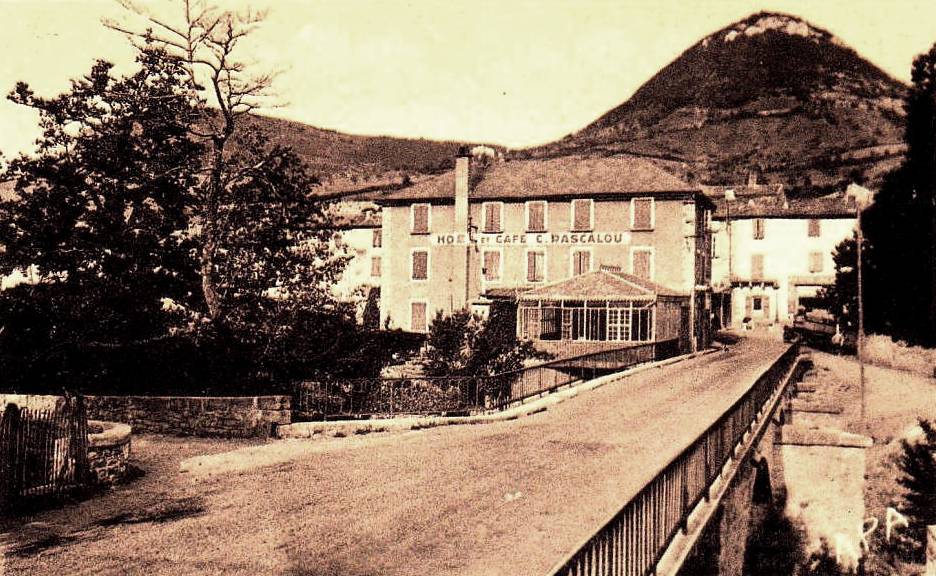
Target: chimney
pixel 462 162
pixel 752 177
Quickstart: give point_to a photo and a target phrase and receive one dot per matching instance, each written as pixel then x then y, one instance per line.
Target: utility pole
pixel 729 197
pixel 862 197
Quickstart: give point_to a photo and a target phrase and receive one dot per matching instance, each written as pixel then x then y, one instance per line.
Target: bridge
pixel 598 484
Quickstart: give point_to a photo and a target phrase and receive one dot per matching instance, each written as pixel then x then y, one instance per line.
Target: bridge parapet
pixel 639 536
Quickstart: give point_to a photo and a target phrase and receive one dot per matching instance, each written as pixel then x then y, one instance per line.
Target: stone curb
pixel 799 436
pixel 533 405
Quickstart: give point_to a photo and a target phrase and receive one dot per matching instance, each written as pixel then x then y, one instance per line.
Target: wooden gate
pixel 42 452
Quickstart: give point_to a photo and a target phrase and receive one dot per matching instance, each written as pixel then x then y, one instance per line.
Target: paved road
pixel 506 498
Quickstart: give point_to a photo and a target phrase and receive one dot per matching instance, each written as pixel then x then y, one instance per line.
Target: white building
pixel 360 236
pixel 773 254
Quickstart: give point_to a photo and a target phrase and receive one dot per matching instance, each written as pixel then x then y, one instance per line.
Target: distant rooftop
pixel 777 205
pixel 555 177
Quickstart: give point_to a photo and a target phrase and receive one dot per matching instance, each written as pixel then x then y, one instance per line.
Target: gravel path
pixel 504 498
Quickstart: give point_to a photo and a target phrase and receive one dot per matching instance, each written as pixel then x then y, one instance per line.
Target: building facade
pixel 486 232
pixel 774 254
pixel 359 236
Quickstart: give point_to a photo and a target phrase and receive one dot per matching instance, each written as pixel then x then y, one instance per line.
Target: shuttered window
pixel 581 262
pixel 418 319
pixel 492 265
pixel 815 228
pixel 581 215
pixel 758 228
pixel 420 219
pixel 757 266
pixel 815 262
pixel 642 216
pixel 420 270
pixel 642 263
pixel 536 216
pixel 375 267
pixel 492 216
pixel 378 238
pixel 536 266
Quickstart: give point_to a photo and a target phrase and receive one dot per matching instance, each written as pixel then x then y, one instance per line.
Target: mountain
pixel 771 93
pixel 345 161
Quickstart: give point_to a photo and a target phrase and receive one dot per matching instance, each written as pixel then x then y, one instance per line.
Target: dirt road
pixel 505 498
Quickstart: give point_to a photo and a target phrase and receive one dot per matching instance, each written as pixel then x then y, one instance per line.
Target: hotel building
pixel 593 250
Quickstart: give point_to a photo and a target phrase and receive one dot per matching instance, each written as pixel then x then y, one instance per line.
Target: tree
pixel 100 208
pixel 900 228
pixel 205 41
pixel 919 478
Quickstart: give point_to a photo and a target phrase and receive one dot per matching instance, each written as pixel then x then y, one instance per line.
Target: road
pixel 505 498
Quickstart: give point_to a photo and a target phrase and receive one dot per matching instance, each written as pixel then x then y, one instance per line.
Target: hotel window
pixel 378 238
pixel 420 215
pixel 582 212
pixel 418 318
pixel 375 267
pixel 492 217
pixel 420 265
pixel 581 262
pixel 758 228
pixel 536 266
pixel 491 269
pixel 536 216
pixel 642 263
pixel 757 266
pixel 815 262
pixel 815 228
pixel 642 214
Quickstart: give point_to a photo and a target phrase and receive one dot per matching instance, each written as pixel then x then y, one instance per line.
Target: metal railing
pixel 635 539
pixel 462 394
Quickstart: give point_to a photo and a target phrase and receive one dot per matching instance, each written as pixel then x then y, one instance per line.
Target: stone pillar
pixel 931 550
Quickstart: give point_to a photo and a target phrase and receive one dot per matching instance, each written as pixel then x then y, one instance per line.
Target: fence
pixel 634 540
pixel 460 394
pixel 42 452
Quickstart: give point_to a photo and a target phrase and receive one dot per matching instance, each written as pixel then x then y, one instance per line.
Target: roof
pixel 599 285
pixel 780 206
pixel 355 214
pixel 552 177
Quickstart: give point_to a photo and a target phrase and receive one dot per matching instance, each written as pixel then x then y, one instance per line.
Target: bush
pixel 884 351
pixel 919 468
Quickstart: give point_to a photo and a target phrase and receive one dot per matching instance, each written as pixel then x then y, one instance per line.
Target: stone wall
pixel 108 452
pixel 228 417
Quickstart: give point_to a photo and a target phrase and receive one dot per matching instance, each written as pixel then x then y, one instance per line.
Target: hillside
pixel 771 92
pixel 346 161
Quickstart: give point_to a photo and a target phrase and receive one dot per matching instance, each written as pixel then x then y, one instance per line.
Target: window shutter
pixel 757 266
pixel 492 217
pixel 642 266
pixel 815 262
pixel 766 306
pixel 492 265
pixel 748 306
pixel 420 219
pixel 758 228
pixel 536 217
pixel 420 265
pixel 375 266
pixel 581 215
pixel 643 219
pixel 418 317
pixel 581 262
pixel 815 228
pixel 378 238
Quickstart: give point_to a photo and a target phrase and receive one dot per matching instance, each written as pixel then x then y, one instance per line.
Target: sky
pixel 510 72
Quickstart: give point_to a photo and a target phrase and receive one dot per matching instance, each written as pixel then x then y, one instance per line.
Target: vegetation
pixel 900 231
pixel 164 230
pixel 918 464
pixel 465 345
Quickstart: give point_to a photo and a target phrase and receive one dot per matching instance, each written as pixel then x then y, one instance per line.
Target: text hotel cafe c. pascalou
pixel 498 234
